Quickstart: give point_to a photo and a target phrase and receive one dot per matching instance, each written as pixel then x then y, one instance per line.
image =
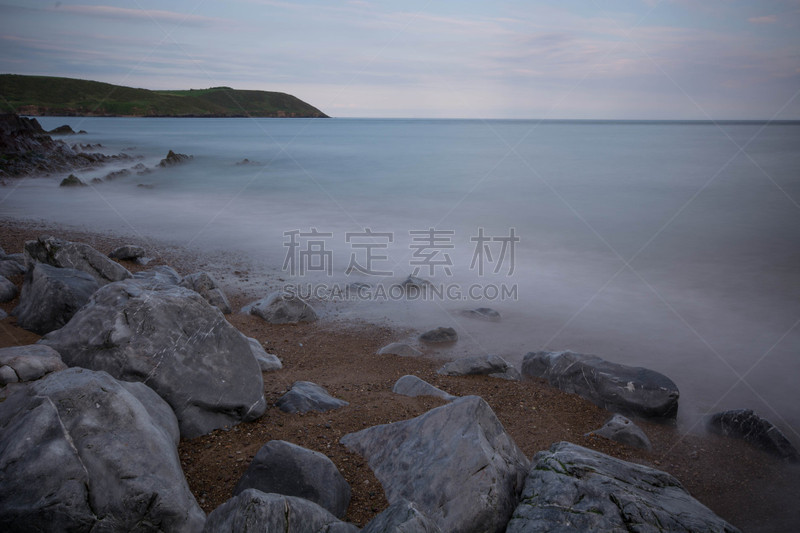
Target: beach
pixel 747 487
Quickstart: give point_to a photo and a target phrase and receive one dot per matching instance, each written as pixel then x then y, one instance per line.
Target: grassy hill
pixel 44 95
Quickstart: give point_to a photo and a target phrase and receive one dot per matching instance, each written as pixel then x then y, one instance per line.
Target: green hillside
pixel 44 95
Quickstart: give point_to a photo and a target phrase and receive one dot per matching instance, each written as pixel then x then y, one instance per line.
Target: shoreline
pixel 745 486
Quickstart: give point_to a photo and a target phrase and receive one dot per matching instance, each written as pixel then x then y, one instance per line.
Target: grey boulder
pixel 439 335
pixel 10 267
pixel 163 274
pixel 572 488
pixel 8 291
pixel 78 452
pixel 400 348
pixel 620 388
pixel 282 308
pixel 66 254
pixel 129 252
pixel 206 286
pixel 267 362
pixel 482 365
pixel 456 463
pixel 51 296
pixel 305 396
pixel 413 386
pixel 401 517
pixel 281 467
pixel 253 511
pixel 747 425
pixel 172 340
pixel 28 363
pixel 622 430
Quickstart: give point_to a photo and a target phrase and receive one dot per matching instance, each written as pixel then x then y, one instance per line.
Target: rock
pixel 749 426
pixel 159 410
pixel 482 313
pixel 129 252
pixel 253 511
pixel 65 254
pixel 28 363
pixel 400 348
pixel 439 335
pixel 455 462
pixel 172 340
pixel 2 253
pixel 401 517
pixel 10 267
pixel 163 274
pixel 620 429
pixel 3 314
pixel 281 467
pixel 8 291
pixel 111 176
pixel 625 389
pixel 414 386
pixel 173 159
pixel 305 396
pixel 482 365
pixel 206 286
pixel 282 308
pixel 79 452
pixel 51 296
pixel 571 488
pixel 266 361
pixel 62 130
pixel 415 287
pixel 72 181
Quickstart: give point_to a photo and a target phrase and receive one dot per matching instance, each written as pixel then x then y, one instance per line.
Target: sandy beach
pixel 745 486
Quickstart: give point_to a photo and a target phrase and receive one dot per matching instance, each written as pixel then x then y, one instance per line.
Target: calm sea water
pixel 674 246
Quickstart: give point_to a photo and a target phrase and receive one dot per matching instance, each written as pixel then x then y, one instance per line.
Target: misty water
pixel 673 246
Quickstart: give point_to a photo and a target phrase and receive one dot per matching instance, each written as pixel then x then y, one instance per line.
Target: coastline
pixel 748 488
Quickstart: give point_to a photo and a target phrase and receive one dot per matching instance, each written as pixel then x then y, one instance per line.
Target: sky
pixel 569 59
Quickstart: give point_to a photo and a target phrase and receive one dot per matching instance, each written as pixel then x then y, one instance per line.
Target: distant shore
pixel 744 486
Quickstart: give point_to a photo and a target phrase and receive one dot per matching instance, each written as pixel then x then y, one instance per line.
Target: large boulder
pixel 282 308
pixel 28 363
pixel 745 424
pixel 572 488
pixel 401 517
pixel 281 467
pixel 253 511
pixel 51 296
pixel 66 254
pixel 413 386
pixel 78 452
pixel 172 340
pixel 205 285
pixel 8 291
pixel 481 365
pixel 629 390
pixel 456 463
pixel 305 396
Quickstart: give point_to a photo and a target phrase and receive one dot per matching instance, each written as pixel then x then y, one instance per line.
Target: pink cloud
pixel 766 19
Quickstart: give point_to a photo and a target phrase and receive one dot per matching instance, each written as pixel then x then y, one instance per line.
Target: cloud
pixel 123 13
pixel 767 19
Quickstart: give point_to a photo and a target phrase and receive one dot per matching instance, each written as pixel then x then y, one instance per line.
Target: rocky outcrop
pixel 456 463
pixel 413 386
pixel 78 452
pixel 747 425
pixel 66 254
pixel 481 365
pixel 305 396
pixel 620 388
pixel 72 181
pixel 207 287
pixel 173 159
pixel 439 335
pixel 281 467
pixel 401 517
pixel 622 430
pixel 267 362
pixel 51 296
pixel 28 363
pixel 571 488
pixel 401 349
pixel 253 511
pixel 282 308
pixel 172 340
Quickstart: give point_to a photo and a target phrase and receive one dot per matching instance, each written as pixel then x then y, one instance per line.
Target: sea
pixel 669 245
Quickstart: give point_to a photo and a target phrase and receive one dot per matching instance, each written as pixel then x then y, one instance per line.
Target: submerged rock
pixel 747 425
pixel 173 159
pixel 620 388
pixel 572 488
pixel 72 181
pixel 482 313
pixel 439 335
